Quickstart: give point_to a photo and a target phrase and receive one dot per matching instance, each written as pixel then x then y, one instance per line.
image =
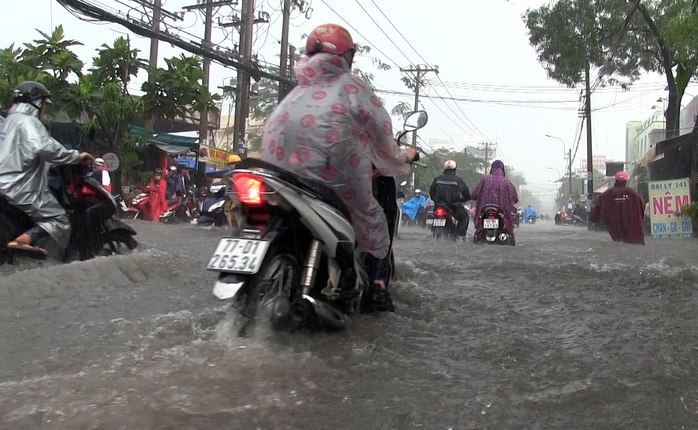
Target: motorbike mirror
pixel 416 120
pixel 403 183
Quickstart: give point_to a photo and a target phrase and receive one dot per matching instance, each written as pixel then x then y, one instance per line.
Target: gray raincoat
pixel 25 150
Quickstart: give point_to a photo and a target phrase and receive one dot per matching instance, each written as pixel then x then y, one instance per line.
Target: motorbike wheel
pixel 272 290
pixel 120 237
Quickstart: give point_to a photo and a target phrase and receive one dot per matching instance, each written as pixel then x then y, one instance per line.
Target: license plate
pixel 430 221
pixel 490 224
pixel 441 222
pixel 238 255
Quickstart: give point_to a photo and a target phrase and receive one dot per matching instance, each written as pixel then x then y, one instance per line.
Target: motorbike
pixel 294 252
pixel 495 227
pixel 141 200
pixel 211 206
pixel 92 212
pixel 444 223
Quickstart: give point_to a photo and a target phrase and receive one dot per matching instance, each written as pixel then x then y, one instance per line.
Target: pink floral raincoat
pixel 332 128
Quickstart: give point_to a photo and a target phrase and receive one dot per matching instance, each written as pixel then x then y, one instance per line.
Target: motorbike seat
pixel 314 187
pixel 492 207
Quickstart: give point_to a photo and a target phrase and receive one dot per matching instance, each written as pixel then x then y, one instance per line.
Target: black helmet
pixel 157 171
pixel 31 92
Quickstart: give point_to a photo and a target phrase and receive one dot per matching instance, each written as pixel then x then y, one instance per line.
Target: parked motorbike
pixel 141 200
pixel 92 213
pixel 292 225
pixel 211 206
pixel 495 227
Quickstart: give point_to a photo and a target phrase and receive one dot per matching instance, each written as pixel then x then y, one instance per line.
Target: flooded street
pixel 565 331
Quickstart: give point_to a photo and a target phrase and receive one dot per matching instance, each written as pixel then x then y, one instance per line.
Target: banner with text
pixel 666 200
pixel 214 157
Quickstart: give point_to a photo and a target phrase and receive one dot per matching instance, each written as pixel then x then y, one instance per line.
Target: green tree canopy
pixel 571 35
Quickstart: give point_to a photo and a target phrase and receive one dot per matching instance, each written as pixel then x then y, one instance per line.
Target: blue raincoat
pixel 529 213
pixel 411 206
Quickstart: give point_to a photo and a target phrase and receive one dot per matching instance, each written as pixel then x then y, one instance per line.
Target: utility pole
pixel 153 61
pixel 283 64
pixel 242 104
pixel 590 159
pixel 569 170
pixel 487 154
pixel 203 116
pixel 419 72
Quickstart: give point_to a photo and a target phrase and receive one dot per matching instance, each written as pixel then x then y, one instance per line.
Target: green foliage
pixel 690 210
pixel 662 37
pixel 176 91
pixel 99 99
pixel 571 35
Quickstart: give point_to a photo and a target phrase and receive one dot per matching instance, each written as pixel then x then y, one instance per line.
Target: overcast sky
pixel 481 48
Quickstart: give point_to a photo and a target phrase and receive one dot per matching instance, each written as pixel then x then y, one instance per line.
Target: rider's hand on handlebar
pixel 411 154
pixel 86 158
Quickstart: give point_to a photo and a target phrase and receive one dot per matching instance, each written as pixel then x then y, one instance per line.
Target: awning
pixel 170 143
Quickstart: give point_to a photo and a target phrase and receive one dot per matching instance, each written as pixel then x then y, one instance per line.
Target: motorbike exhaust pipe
pixel 307 309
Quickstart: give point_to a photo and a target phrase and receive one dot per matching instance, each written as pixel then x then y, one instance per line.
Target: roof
pixel 169 143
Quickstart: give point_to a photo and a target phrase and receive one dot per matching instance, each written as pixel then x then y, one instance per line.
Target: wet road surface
pixel 564 331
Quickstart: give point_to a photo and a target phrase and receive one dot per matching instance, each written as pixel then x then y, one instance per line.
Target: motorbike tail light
pixel 439 212
pixel 249 189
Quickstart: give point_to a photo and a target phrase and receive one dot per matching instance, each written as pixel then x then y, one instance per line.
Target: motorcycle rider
pixel 622 210
pixel 26 148
pixel 157 204
pixel 529 214
pixel 332 128
pixel 230 207
pixel 101 174
pixel 414 207
pixel 450 190
pixel 495 189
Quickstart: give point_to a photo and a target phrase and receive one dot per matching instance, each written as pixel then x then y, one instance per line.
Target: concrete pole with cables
pixel 419 73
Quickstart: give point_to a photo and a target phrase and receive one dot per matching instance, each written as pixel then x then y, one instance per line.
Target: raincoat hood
pixel 497 168
pixel 320 67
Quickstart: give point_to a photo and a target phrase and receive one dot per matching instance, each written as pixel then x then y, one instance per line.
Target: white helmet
pixel 417 191
pixel 99 162
pixel 450 165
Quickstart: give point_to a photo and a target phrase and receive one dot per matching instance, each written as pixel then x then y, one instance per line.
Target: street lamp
pixel 559 175
pixel 564 153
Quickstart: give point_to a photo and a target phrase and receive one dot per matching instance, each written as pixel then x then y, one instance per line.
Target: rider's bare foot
pixel 381 284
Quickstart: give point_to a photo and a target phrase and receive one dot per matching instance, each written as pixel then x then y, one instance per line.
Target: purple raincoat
pixel 496 189
pixel 332 128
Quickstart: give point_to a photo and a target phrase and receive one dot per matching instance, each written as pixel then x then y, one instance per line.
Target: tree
pixel 666 33
pixel 177 91
pixel 661 37
pixel 573 36
pixel 469 167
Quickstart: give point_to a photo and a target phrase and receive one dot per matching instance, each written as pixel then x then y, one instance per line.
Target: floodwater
pixel 564 331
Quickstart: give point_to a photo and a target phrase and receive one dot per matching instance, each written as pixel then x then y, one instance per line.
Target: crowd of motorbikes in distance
pixel 442 222
pixel 201 206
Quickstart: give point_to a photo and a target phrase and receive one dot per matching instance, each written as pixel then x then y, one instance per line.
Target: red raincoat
pixel 623 211
pixel 157 203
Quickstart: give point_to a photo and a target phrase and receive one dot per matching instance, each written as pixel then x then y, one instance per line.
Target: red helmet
pixel 330 38
pixel 621 176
